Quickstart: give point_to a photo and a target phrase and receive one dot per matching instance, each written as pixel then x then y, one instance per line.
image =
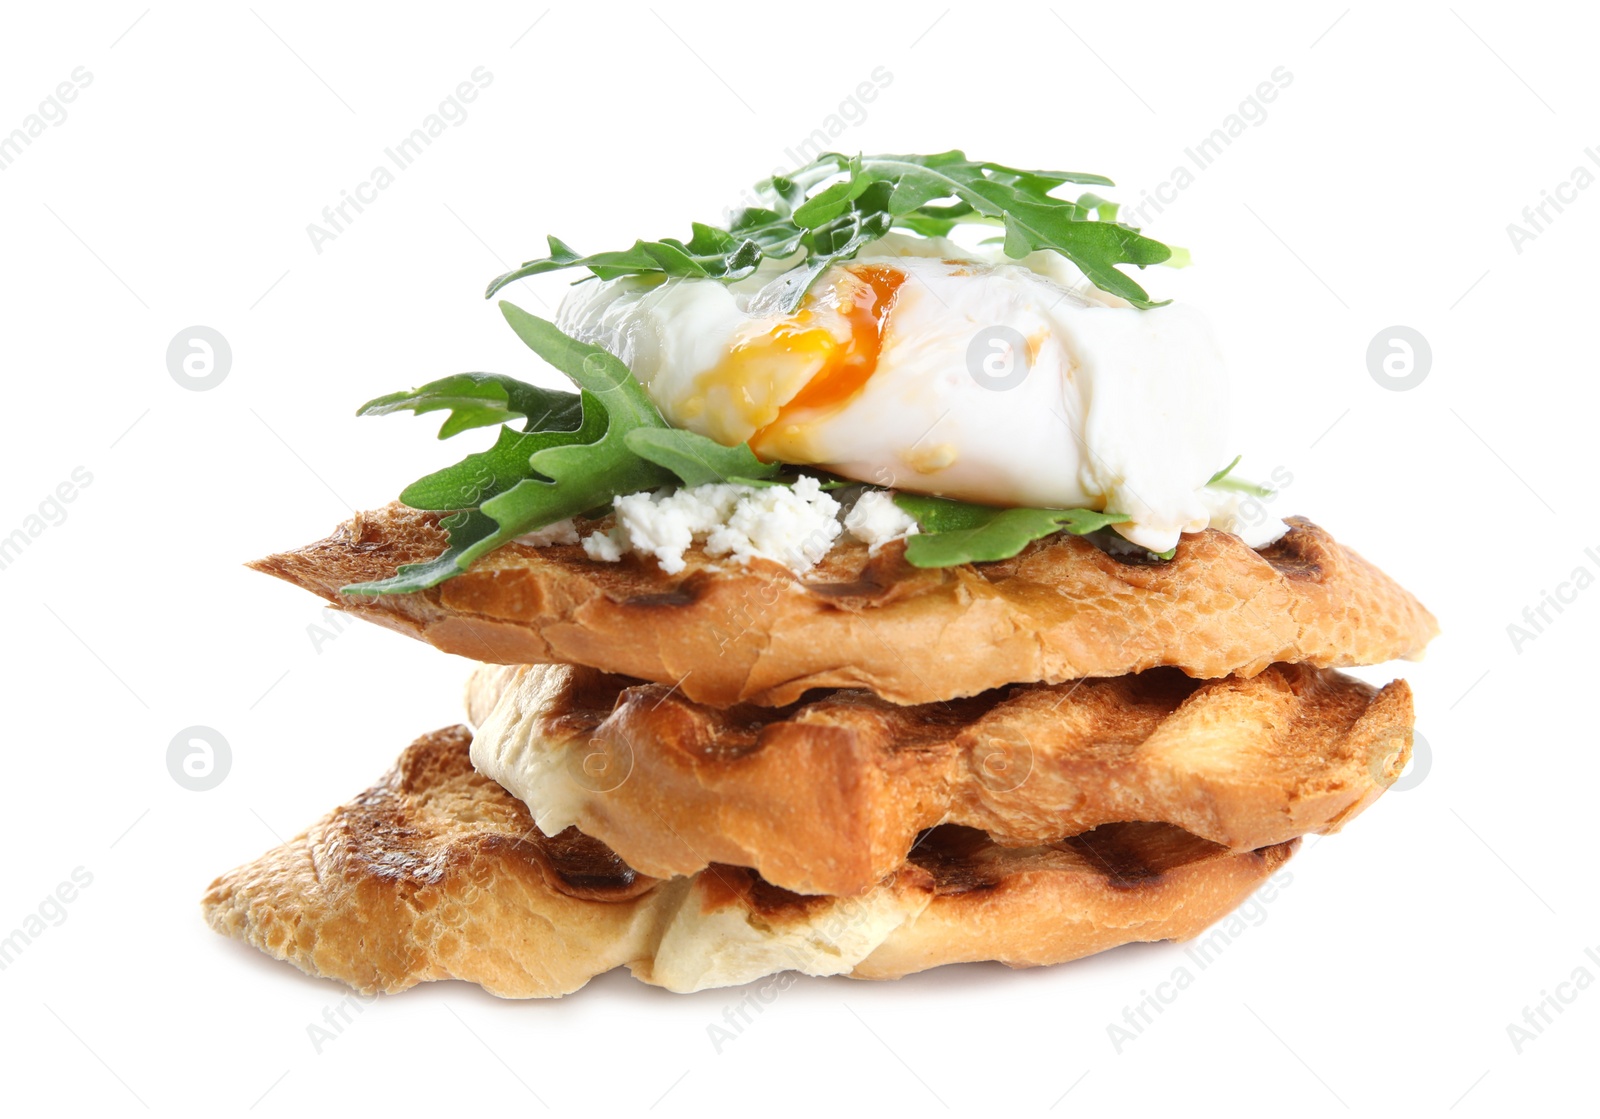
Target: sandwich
pixel 883 597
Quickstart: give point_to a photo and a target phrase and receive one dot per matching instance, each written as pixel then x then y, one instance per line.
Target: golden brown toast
pixel 1061 610
pixel 826 797
pixel 438 873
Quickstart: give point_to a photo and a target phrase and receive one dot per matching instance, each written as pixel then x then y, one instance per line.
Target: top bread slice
pixel 725 633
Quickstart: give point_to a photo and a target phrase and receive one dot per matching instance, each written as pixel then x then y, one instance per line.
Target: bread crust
pixel 828 796
pixel 438 873
pixel 1061 610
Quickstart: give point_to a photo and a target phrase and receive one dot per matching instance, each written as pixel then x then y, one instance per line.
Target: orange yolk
pixel 847 369
pixel 814 360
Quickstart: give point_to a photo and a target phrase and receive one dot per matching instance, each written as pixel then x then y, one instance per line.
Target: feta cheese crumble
pixel 562 532
pixel 876 520
pixel 792 525
pixel 798 525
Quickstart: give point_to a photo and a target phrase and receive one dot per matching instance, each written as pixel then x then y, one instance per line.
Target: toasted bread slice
pixel 826 797
pixel 1062 610
pixel 438 873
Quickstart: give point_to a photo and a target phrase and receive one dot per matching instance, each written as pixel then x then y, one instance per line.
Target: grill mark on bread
pixel 682 595
pixel 947 853
pixel 382 829
pixel 581 866
pixel 856 589
pixel 1126 865
pixel 1291 557
pixel 845 579
pixel 1136 559
pixel 727 886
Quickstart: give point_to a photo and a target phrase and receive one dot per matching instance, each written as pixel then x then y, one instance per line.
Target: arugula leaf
pixel 486 474
pixel 839 238
pixel 617 443
pixel 1221 481
pixel 697 460
pixel 1104 208
pixel 1239 485
pixel 724 254
pixel 992 192
pixel 482 399
pixel 1225 471
pixel 957 532
pixel 925 194
pixel 710 252
pixel 563 477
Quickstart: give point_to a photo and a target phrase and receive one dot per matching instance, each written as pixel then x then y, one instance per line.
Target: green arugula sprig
pixel 576 453
pixel 868 196
pixel 1223 480
pixel 957 532
pixel 483 399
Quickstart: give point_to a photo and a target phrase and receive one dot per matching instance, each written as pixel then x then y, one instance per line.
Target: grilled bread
pixel 439 873
pixel 827 796
pixel 726 634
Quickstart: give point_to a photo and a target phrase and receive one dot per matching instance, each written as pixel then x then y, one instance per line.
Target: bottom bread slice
pixel 439 873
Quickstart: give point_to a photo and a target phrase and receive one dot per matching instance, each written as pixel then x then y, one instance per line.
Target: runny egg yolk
pixel 771 384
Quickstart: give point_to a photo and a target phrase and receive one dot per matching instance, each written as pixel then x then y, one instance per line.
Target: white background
pixel 177 192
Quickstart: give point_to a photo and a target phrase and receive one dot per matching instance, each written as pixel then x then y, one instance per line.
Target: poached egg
pixel 922 367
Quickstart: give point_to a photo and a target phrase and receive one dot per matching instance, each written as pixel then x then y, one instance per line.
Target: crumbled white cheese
pixel 604 546
pixel 792 525
pixel 875 520
pixel 562 532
